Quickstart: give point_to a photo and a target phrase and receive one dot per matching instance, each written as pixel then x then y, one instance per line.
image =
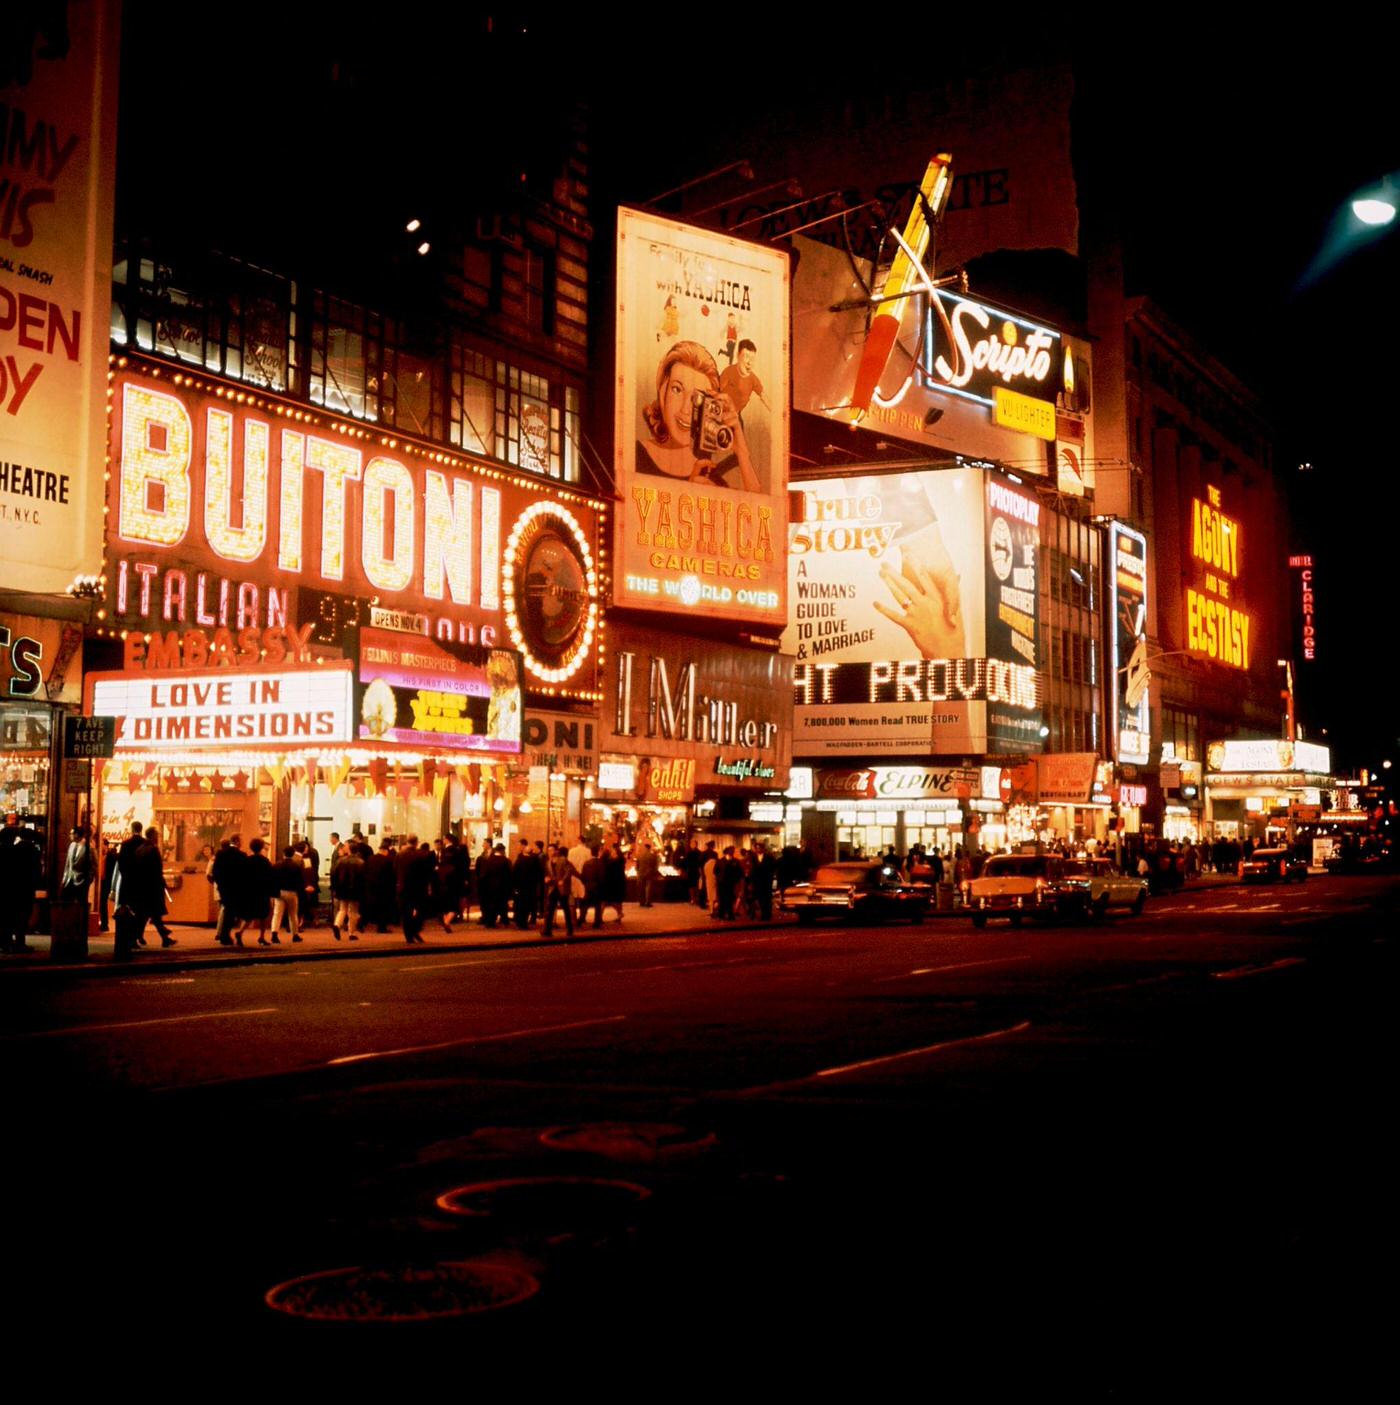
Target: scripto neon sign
pixel 1215 627
pixel 1304 566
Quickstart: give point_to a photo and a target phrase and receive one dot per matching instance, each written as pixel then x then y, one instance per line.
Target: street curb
pixel 157 961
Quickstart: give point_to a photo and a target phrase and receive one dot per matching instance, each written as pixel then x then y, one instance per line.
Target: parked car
pixel 1015 886
pixel 866 891
pixel 1273 866
pixel 1107 887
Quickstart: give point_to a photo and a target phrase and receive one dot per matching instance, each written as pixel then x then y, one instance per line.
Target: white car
pixel 1016 886
pixel 1107 887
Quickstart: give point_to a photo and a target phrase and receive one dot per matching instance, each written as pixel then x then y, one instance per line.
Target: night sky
pixel 296 132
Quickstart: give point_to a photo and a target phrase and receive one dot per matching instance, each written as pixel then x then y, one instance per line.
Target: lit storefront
pixel 312 627
pixel 691 730
pixel 40 680
pixel 1258 788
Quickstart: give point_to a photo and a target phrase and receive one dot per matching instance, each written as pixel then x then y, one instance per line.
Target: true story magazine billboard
pixel 701 444
pixel 914 615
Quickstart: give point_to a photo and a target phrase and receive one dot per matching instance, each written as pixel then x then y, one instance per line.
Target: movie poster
pixel 58 116
pixel 701 422
pixel 908 640
pixel 1128 602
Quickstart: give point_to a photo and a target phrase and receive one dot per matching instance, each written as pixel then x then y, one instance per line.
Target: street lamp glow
pixel 1373 211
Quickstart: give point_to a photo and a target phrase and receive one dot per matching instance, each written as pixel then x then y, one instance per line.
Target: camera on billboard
pixel 708 432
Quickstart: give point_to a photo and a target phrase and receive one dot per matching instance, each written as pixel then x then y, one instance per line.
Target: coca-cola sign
pixel 897 783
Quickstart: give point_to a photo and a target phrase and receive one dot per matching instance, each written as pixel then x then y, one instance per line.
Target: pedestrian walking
pixel 258 889
pixel 560 874
pixel 419 892
pixel 347 892
pixel 614 877
pixel 227 872
pixel 525 882
pixel 21 865
pixel 291 880
pixel 648 866
pixel 79 867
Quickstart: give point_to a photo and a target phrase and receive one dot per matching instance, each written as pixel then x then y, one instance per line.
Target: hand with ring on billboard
pixel 929 607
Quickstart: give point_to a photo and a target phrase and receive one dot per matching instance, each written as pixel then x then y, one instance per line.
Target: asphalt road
pixel 1110 1157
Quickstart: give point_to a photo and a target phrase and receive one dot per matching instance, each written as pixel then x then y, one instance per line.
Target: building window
pixel 222 316
pixel 347 351
pixel 537 288
pixel 471 416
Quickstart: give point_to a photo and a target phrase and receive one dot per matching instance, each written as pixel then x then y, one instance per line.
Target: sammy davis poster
pixel 701 422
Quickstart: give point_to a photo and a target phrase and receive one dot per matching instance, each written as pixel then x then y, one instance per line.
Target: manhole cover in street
pixel 547 1204
pixel 402 1293
pixel 628 1141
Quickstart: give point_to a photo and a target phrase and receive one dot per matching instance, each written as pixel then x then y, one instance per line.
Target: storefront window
pixel 26 741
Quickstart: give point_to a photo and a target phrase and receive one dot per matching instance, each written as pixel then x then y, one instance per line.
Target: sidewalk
pixel 196 947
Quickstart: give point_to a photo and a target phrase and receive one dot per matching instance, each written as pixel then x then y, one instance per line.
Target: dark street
pixel 1090 1137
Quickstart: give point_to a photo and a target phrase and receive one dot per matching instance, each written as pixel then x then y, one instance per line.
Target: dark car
pixel 1273 866
pixel 869 892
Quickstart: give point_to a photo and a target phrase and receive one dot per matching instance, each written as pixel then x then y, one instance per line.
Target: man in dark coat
pixel 729 874
pixel 126 890
pixel 153 861
pixel 559 890
pixel 379 887
pixel 454 876
pixel 347 891
pixel 20 865
pixel 761 879
pixel 227 872
pixel 419 893
pixel 594 877
pixel 493 881
pixel 614 878
pixel 525 879
pixel 260 884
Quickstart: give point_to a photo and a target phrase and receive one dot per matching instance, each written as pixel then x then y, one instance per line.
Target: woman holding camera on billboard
pixel 693 428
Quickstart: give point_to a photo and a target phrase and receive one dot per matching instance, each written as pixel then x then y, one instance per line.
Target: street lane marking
pixel 882 1059
pixel 1240 972
pixel 142 1024
pixel 474 1039
pixel 160 980
pixel 927 1049
pixel 959 966
pixel 449 965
